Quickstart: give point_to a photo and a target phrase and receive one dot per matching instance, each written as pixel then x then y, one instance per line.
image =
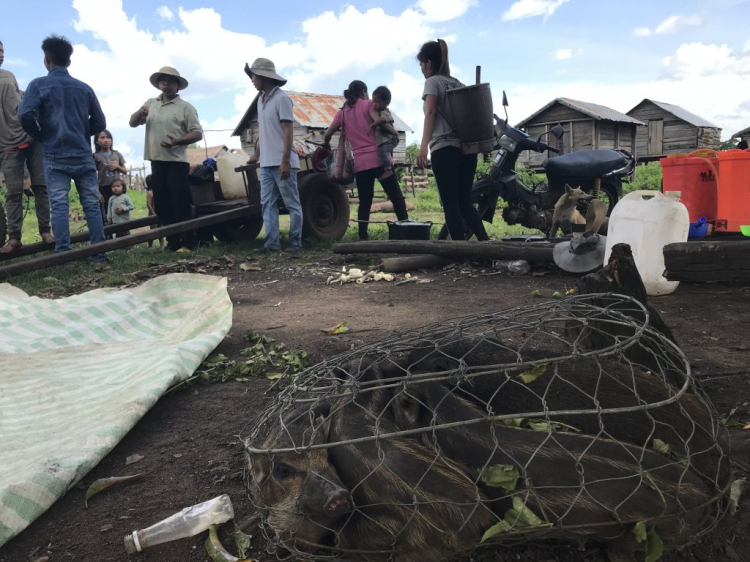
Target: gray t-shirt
pixel 11 133
pixel 277 108
pixel 444 133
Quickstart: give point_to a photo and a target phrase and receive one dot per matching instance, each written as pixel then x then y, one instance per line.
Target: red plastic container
pixel 733 209
pixel 695 178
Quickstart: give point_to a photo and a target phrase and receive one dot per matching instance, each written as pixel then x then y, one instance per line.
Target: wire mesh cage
pixel 573 419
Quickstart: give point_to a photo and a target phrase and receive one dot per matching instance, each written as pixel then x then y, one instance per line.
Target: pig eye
pixel 283 471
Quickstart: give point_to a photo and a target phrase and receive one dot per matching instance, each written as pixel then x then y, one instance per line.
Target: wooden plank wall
pixel 678 135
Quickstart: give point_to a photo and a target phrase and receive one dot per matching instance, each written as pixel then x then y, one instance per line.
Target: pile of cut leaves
pixel 265 357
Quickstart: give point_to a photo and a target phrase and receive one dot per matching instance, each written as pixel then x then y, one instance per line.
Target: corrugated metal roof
pixel 311 110
pixel 595 111
pixel 741 133
pixel 683 114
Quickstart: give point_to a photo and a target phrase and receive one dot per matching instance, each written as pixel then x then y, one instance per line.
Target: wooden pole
pixel 397 265
pixel 708 262
pixel 125 241
pixel 453 249
pixel 77 238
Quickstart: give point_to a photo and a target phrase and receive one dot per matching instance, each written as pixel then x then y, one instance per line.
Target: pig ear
pixel 256 465
pixel 406 407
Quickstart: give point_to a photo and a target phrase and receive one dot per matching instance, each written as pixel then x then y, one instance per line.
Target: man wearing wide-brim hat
pixel 171 125
pixel 279 162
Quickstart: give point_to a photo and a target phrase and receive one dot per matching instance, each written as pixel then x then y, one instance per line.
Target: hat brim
pixel 269 74
pixel 585 262
pixel 182 83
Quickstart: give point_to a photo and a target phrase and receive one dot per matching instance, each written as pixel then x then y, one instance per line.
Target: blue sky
pixel 691 53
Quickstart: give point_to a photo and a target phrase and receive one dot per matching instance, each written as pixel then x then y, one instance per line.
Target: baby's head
pixel 118 187
pixel 381 98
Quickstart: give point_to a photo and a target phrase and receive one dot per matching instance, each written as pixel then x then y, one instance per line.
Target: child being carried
pixel 386 135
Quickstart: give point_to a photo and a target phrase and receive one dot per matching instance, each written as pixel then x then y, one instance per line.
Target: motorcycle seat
pixel 586 163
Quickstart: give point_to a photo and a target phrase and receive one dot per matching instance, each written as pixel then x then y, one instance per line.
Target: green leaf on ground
pixel 242 541
pixel 104 483
pixel 654 546
pixel 521 516
pixel 640 532
pixel 500 476
pixel 496 529
pixel 534 373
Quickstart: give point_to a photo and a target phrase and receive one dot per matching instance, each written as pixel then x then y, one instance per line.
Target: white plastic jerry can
pixel 648 221
pixel 232 184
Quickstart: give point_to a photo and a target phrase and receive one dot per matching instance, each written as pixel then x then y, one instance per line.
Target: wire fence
pixel 571 419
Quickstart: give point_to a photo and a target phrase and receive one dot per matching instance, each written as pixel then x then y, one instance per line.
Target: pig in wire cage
pixel 572 419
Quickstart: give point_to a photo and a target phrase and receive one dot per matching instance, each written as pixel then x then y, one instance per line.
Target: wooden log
pixel 124 242
pixel 453 249
pixel 387 207
pixel 708 262
pixel 77 238
pixel 397 265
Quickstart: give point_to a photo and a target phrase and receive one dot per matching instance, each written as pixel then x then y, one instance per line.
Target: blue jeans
pixel 58 172
pixel 271 188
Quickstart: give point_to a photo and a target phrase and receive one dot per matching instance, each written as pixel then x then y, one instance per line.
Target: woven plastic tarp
pixel 76 374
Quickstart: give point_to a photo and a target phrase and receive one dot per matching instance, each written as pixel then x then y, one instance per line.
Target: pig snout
pixel 338 503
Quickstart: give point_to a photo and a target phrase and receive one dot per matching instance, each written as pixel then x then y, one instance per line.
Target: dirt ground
pixel 189 439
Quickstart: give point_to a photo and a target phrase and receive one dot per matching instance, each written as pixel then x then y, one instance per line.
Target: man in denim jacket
pixel 63 114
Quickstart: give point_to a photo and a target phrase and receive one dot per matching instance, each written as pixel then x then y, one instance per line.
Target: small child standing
pixel 109 165
pixel 120 205
pixel 386 135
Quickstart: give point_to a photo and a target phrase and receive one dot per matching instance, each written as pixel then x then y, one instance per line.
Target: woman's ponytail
pixel 354 92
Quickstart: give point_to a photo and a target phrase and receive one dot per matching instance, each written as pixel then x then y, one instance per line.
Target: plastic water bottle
pixel 187 523
pixel 517 267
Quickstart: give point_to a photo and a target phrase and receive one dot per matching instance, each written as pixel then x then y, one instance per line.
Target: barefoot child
pixel 386 136
pixel 119 207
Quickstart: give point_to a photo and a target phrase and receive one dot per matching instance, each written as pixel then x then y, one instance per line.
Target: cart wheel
pixel 3 226
pixel 243 229
pixel 325 207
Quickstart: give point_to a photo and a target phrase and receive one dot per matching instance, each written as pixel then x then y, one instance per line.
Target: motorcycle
pixel 596 172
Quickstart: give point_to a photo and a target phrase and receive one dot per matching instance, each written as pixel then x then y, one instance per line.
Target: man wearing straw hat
pixel 279 162
pixel 171 125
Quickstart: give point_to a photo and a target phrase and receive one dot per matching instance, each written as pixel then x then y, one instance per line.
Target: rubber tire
pixel 611 192
pixel 3 226
pixel 325 207
pixel 244 229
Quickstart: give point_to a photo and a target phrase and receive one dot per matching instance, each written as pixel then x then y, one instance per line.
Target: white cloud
pixel 563 54
pixel 165 13
pixel 711 81
pixel 532 8
pixel 440 10
pixel 669 25
pixel 673 23
pixel 212 58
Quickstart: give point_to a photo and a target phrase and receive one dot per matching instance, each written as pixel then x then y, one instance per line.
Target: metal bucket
pixel 471 109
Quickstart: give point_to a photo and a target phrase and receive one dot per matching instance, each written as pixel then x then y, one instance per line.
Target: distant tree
pixel 728 144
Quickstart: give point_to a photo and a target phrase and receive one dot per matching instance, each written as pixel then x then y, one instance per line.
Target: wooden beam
pixel 77 238
pixel 124 242
pixel 708 261
pixel 453 249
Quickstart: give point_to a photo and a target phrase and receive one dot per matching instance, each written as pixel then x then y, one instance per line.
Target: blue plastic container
pixel 698 229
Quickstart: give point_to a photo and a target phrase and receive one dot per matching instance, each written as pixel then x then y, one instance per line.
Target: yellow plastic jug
pixel 648 221
pixel 232 184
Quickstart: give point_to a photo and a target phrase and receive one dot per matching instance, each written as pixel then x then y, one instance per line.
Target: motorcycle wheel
pixel 443 234
pixel 608 194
